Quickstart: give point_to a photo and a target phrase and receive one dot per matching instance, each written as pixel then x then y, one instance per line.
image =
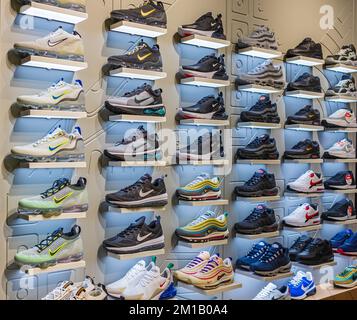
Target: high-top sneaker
pixel 307 115
pixel 261 37
pixel 263 111
pixel 347 55
pixel 307 48
pixel 345 87
pixel 262 147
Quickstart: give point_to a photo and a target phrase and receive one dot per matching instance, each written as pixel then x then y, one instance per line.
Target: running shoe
pixel 307 48
pixel 143 193
pixel 138 237
pixel 303 216
pixel 272 292
pixel 58 247
pixel 340 238
pixel 307 115
pixel 309 182
pixel 91 292
pixel 345 87
pixel 205 25
pixel 342 210
pixel 261 37
pixel 77 5
pixel 302 286
pixel 347 55
pixel 299 246
pixel 305 149
pixel 59 44
pixel 341 181
pixel 317 252
pixel 342 118
pixel 305 82
pixel 208 227
pixel 262 147
pixel 347 278
pixel 343 149
pixel 349 247
pixel 253 256
pixel 201 188
pixel 57 145
pixel 62 197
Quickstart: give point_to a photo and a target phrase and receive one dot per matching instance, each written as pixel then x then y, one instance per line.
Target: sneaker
pixel 61 96
pixel 253 256
pixel 194 266
pixel 57 145
pixel 299 246
pixel 309 182
pixel 342 118
pixel 216 273
pixel 59 44
pixel 305 82
pixel 307 115
pixel 343 149
pixel 306 149
pixel 58 247
pixel 138 237
pixel 272 292
pixel 261 220
pixel 316 252
pixel 143 193
pixel 275 260
pixel 209 107
pixel 62 292
pixel 84 294
pixel 141 57
pixel 340 238
pixel 262 147
pixel 261 37
pixel 139 145
pixel 341 181
pixel 208 227
pixel 347 55
pixel 347 278
pixel 342 210
pixel 265 74
pixel 303 216
pixel 263 111
pixel 349 247
pixel 262 184
pixel 144 100
pixel 302 286
pixel 62 197
pixel 201 188
pixel 151 13
pixel 307 48
pixel 209 67
pixel 346 87
pixel 205 25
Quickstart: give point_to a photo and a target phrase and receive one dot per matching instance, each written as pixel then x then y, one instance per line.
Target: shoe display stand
pixel 259 125
pixel 131 256
pixel 53 114
pixel 259 162
pixel 138 74
pixel 206 203
pixel 139 119
pixel 327 291
pixel 264 235
pixel 303 229
pixel 137 210
pixel 53 63
pixel 138 29
pixel 342 130
pixel 137 163
pixel 255 276
pixel 204 82
pixel 206 42
pixel 57 268
pixel 304 161
pixel 306 61
pixel 203 245
pixel 303 195
pixel 341 223
pixel 304 127
pixel 258 199
pixel 304 94
pixel 53 165
pixel 341 68
pixel 204 122
pixel 340 160
pixel 63 216
pixel 341 99
pixel 314 267
pixel 254 88
pixel 260 53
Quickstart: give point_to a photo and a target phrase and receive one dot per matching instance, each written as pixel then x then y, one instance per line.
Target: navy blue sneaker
pixel 253 255
pixel 340 238
pixel 349 248
pixel 276 260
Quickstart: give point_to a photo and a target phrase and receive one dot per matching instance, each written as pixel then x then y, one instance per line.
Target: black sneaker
pixel 306 149
pixel 254 255
pixel 260 185
pixel 210 67
pixel 347 55
pixel 342 210
pixel 299 246
pixel 305 82
pixel 261 220
pixel 209 107
pixel 263 111
pixel 206 25
pixel 262 147
pixel 142 57
pixel 307 48
pixel 143 193
pixel 307 115
pixel 144 100
pixel 316 252
pixel 138 237
pixel 341 181
pixel 151 13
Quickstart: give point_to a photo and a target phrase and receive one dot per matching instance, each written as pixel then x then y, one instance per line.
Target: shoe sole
pixel 48 213
pixel 266 229
pixel 283 269
pixel 261 193
pixel 45 265
pixel 157 201
pixel 315 262
pixel 215 236
pixel 155 244
pixel 308 293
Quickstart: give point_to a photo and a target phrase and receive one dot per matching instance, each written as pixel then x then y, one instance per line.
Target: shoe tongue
pixel 263 99
pixel 276 246
pixel 260 172
pixel 203 176
pixel 139 222
pixel 261 244
pixel 210 214
pixel 58 232
pixel 146 177
pixel 216 258
pixel 56 130
pixel 260 208
pixel 264 137
pixel 204 255
pixel 272 286
pixel 141 264
pixel 307 40
pixel 155 270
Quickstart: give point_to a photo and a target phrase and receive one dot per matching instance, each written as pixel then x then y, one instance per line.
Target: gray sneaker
pixel 261 37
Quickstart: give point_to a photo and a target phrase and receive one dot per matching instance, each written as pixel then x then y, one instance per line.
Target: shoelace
pixel 266 291
pixel 209 266
pixel 57 292
pixel 254 180
pixel 132 273
pixel 128 231
pixel 299 145
pixel 203 100
pixel 49 137
pixel 299 243
pixel 49 240
pixel 57 186
pixel 255 251
pixel 147 279
pixel 137 185
pixel 140 46
pixel 206 58
pixel 194 263
pixel 347 271
pixel 197 180
pixel 136 91
pixel 256 142
pixel 255 215
pixel 200 219
pixel 270 254
pixel 133 137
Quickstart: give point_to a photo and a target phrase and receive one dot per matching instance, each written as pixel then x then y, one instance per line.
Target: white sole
pixel 183 31
pixel 341 123
pixel 207 75
pixel 342 155
pixel 150 243
pixel 197 115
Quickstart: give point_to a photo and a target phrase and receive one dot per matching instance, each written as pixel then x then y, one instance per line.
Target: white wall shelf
pixel 314 267
pixel 137 210
pixel 344 68
pixel 264 235
pixel 327 291
pixel 205 82
pixel 304 94
pixel 138 29
pixel 340 160
pixel 126 164
pixel 57 268
pixel 53 114
pixel 205 42
pixel 136 119
pixel 303 229
pixel 62 216
pixel 254 88
pixel 264 278
pixel 304 161
pixel 259 162
pixel 343 191
pixel 260 53
pixel 53 165
pixel 341 130
pixel 193 245
pixel 207 203
pixel 304 127
pixel 305 61
pixel 341 223
pixel 53 63
pixel 130 256
pixel 205 122
pixel 138 74
pixel 259 125
pixel 291 194
pixel 204 162
pixel 259 199
pixel 341 99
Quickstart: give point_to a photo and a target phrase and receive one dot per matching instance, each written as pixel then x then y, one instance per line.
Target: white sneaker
pixel 272 292
pixel 62 292
pixel 61 95
pixel 309 182
pixel 89 291
pixel 341 118
pixel 60 43
pixel 130 280
pixel 343 149
pixel 55 145
pixel 303 216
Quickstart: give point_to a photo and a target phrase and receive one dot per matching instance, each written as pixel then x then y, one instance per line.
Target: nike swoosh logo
pixel 142 58
pixel 57 201
pixel 145 14
pixel 145 194
pixel 60 96
pixel 56 43
pixel 141 101
pixel 53 253
pixel 55 148
pixel 314 184
pixel 141 239
pixel 309 217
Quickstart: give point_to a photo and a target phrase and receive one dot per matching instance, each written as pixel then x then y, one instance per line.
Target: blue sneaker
pixel 276 260
pixel 253 255
pixel 349 248
pixel 340 238
pixel 302 286
pixel 169 293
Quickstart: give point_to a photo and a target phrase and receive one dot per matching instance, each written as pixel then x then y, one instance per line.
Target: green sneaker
pixel 347 278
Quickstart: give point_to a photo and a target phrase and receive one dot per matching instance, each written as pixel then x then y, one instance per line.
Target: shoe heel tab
pixel 77 131
pixel 153 260
pixel 75 33
pixel 79 82
pixel 76 230
pixel 170 266
pixel 226 214
pixel 82 182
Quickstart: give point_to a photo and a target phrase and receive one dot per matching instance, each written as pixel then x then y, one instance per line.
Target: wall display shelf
pixel 343 68
pixel 57 268
pixel 305 61
pixel 341 99
pixel 137 210
pixel 303 229
pixel 53 63
pixel 207 203
pixel 264 278
pixel 265 235
pixel 222 162
pixel 304 161
pixel 126 164
pixel 53 165
pixel 205 122
pixel 328 291
pixel 205 82
pixel 341 223
pixel 304 127
pixel 129 256
pixel 50 12
pixel 62 216
pixel 259 162
pixel 193 245
pixel 259 199
pixel 138 74
pixel 254 88
pixel 340 160
pixel 344 191
pixel 260 53
pixel 53 114
pixel 304 94
pixel 136 119
pixel 206 42
pixel 290 194
pixel 341 130
pixel 316 267
pixel 259 125
pixel 138 29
